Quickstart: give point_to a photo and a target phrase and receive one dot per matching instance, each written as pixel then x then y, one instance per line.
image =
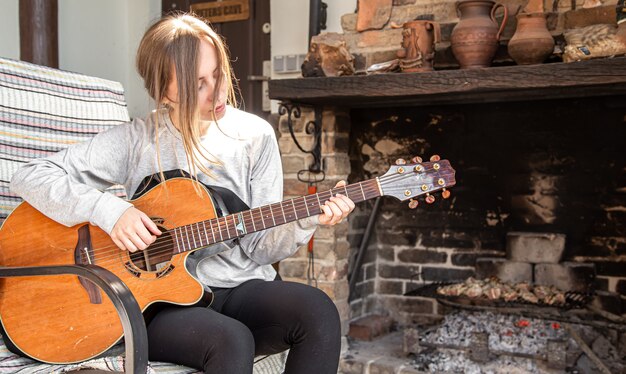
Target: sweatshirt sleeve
pixel 266 187
pixel 68 186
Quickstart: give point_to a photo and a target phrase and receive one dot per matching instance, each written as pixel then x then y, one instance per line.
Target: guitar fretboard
pixel 205 233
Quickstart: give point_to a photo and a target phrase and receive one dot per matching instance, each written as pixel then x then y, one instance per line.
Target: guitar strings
pixel 154 250
pixel 196 232
pixel 255 213
pixel 120 267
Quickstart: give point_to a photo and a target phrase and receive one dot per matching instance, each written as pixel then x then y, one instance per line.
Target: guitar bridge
pixel 83 255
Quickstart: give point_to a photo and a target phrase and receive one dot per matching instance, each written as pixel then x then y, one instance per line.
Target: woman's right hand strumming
pixel 134 230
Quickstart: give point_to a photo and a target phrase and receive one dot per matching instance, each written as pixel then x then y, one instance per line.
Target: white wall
pixel 10 29
pixel 96 37
pixel 93 38
pixel 290 25
pixel 100 37
pixel 290 28
pixel 141 14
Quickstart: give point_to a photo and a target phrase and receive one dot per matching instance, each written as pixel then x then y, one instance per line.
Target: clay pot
pixel 475 38
pixel 532 43
pixel 418 45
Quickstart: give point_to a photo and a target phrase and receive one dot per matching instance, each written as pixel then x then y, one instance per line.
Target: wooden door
pixel 249 44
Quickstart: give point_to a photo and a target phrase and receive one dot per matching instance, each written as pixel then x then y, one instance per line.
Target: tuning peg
pixel 435 158
pixel 413 204
pixel 416 160
pixel 430 198
pixel 400 161
pixel 445 193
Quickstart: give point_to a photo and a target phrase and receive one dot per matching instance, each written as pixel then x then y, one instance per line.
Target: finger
pixel 150 225
pixel 341 203
pixel 348 202
pixel 129 245
pixel 145 236
pixel 139 242
pixel 326 216
pixel 341 184
pixel 119 244
pixel 337 214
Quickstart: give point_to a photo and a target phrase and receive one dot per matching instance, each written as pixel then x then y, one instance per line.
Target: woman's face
pixel 208 72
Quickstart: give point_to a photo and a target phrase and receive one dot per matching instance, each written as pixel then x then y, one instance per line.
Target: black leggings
pixel 254 318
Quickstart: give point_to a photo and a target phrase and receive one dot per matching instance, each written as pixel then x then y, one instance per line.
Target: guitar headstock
pixel 406 181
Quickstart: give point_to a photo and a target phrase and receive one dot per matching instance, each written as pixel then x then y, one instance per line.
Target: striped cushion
pixel 43 110
pixel 12 363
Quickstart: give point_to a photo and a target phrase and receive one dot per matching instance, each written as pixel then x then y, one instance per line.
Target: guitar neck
pixel 216 230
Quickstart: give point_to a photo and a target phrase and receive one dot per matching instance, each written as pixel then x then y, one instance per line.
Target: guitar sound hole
pixel 157 256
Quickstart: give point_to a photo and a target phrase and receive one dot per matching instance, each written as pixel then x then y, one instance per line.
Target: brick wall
pixel 331 247
pixel 551 166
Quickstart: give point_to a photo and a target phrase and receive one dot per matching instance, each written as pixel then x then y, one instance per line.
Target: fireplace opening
pixel 540 200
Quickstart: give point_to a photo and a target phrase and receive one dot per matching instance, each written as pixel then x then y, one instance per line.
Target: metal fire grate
pixel 573 300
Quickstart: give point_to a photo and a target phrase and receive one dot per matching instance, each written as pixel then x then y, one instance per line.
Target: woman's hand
pixel 336 209
pixel 134 230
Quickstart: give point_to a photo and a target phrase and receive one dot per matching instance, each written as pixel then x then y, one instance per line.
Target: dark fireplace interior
pixel 547 166
pixel 531 167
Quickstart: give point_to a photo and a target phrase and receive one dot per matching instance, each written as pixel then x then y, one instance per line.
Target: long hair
pixel 172 43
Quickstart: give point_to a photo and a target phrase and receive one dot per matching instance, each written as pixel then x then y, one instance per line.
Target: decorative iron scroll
pixel 314 174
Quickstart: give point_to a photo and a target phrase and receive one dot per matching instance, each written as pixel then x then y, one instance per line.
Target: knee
pixel 318 309
pixel 232 339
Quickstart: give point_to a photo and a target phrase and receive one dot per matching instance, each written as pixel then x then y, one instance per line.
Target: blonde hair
pixel 174 42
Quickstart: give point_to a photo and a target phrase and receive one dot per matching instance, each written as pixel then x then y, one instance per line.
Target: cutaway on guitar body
pixel 66 319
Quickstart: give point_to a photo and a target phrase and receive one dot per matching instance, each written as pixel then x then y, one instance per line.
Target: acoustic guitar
pixel 65 319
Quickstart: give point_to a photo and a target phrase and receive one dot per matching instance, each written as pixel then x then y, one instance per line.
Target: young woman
pixel 197 128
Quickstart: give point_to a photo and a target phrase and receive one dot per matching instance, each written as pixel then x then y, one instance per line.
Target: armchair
pixel 42 111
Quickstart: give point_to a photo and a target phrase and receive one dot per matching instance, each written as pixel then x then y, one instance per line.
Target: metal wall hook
pixel 314 128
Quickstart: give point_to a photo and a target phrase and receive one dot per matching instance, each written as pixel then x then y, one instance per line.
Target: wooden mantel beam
pixel 39 41
pixel 601 77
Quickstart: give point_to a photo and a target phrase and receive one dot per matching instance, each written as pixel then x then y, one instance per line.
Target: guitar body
pixel 61 319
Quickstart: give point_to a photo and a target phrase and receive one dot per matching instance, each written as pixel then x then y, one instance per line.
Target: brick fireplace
pixel 538 151
pixel 547 166
pixel 526 166
pixel 542 167
pixel 553 166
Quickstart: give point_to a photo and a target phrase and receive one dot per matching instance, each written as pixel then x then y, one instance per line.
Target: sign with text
pixel 223 11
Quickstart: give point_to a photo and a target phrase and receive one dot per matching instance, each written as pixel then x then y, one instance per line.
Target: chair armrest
pixel 135 333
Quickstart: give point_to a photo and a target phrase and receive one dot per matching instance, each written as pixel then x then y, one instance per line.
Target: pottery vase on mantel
pixel 532 43
pixel 474 39
pixel 419 38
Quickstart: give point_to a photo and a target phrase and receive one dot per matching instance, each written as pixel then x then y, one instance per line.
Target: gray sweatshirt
pixel 67 186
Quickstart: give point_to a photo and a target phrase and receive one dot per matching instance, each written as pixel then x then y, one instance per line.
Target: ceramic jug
pixel 532 43
pixel 474 39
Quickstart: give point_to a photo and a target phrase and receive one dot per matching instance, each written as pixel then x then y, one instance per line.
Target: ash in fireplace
pixel 452 346
pixel 507 333
pixel 453 361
